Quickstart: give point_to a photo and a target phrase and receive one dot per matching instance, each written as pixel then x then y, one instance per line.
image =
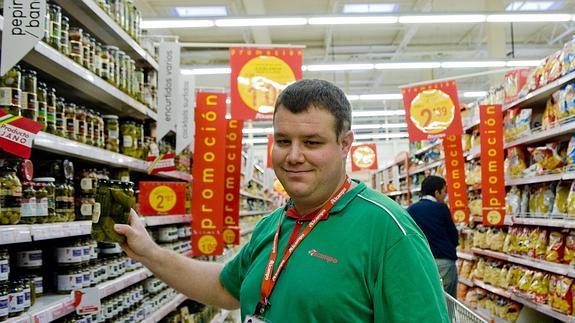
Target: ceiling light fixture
pixel 369 7
pixel 254 22
pixel 407 65
pixel 352 20
pixel 474 94
pixel 201 11
pixel 176 23
pixel 339 67
pixel 524 63
pixel 377 113
pixel 381 136
pixel 529 17
pixel 473 64
pixel 379 126
pixel 373 97
pixel 441 19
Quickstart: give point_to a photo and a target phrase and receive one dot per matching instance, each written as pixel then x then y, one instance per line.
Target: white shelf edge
pixel 491 288
pixel 250 213
pixel 58 230
pixel 113 286
pixel 221 317
pixel 558 223
pixel 427 148
pixel 465 255
pixel 118 36
pixel 430 166
pixel 467 282
pixel 547 310
pixel 533 179
pixel 542 135
pixel 540 91
pixel 560 269
pixel 153 220
pixel 246 194
pixel 166 309
pixel 10 234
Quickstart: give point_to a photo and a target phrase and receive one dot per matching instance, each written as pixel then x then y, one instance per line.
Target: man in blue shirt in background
pixel 434 218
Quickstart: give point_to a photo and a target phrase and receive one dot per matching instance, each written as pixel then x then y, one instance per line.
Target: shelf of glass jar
pixel 114 25
pixel 56 144
pixel 121 88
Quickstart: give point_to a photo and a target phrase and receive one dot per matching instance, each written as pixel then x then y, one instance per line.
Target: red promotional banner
pixel 455 178
pixel 162 198
pixel 363 157
pixel 432 111
pixel 209 174
pixel 492 167
pixel 258 77
pixel 234 136
pixel 269 150
pixel 17 134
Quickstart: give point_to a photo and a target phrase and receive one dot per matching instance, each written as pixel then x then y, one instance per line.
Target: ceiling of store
pixel 329 44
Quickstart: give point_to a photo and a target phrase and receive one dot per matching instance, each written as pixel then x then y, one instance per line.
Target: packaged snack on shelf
pixel 514 81
pixel 497 239
pixel 466 267
pixel 539 289
pixel 523 123
pixel 513 201
pixel 466 142
pixel 556 247
pixel 540 245
pixel 553 68
pixel 563 294
pixel 523 241
pixel 510 239
pixel 571 200
pixel 515 161
pixel 524 283
pixel 547 196
pixel 502 282
pixel 561 194
pixel 547 157
pixel 568 57
pixel 524 206
pixel 568 100
pixel 551 114
pixel 514 274
pixel 479 270
pixel 509 123
pixel 475 207
pixel 569 254
pixel 479 237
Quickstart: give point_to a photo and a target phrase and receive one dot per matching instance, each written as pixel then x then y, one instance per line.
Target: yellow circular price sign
pixel 459 216
pixel 432 111
pixel 207 244
pixel 494 217
pixel 229 236
pixel 261 80
pixel 363 156
pixel 162 198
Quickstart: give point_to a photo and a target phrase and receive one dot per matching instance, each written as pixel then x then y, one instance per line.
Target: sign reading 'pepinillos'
pixel 24 26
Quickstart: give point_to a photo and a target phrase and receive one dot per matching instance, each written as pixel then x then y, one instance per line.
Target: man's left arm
pixel 408 287
pixel 451 229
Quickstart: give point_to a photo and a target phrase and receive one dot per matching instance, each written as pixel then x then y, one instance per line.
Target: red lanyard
pixel 269 281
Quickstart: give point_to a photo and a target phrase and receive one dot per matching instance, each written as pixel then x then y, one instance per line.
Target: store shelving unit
pixel 465 255
pixel 166 309
pixel 250 213
pixel 246 194
pixel 466 282
pixel 221 317
pixel 543 309
pixel 167 219
pixel 540 95
pixel 556 268
pixel 492 289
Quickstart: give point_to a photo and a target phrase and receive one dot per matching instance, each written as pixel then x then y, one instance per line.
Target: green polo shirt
pixel 367 262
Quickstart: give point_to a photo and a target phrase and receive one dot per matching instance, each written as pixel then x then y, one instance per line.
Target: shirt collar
pixel 291 212
pixel 429 197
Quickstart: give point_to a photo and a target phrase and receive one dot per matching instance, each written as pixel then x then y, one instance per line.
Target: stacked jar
pixel 86 202
pixel 125 14
pixel 10 195
pixel 10 91
pixel 29 280
pixel 112 133
pixel 29 104
pixel 45 200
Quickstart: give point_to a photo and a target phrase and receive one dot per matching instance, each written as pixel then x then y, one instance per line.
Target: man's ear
pixel 346 142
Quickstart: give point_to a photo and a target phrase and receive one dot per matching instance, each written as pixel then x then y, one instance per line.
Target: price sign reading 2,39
pixel 432 111
pixel 162 198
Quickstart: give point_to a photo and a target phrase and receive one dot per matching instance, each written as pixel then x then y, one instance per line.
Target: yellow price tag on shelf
pixel 162 198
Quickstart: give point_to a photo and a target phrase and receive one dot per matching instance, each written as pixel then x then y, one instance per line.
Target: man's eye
pixel 312 143
pixel 282 142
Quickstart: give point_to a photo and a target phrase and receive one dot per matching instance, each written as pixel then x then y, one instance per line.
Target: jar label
pixel 86 184
pixel 28 207
pixel 96 209
pixel 31 258
pixel 127 141
pixel 69 255
pixel 60 120
pixel 42 207
pixel 4 307
pixel 29 101
pixel 27 297
pixel 4 269
pixel 86 278
pixel 66 283
pixel 86 209
pixel 39 285
pixel 50 113
pixel 113 134
pixel 75 48
pixel 5 96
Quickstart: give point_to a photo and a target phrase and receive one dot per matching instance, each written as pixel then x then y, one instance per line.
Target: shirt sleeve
pixel 408 288
pixel 233 273
pixel 451 229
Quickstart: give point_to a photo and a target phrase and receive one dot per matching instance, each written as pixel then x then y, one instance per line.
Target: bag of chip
pixel 569 254
pixel 523 123
pixel 497 240
pixel 563 300
pixel 539 289
pixel 547 199
pixel 525 281
pixel 561 194
pixel 556 247
pixel 524 206
pixel 568 57
pixel 541 243
pixel 515 161
pixel 571 200
pixel 547 158
pixel 513 275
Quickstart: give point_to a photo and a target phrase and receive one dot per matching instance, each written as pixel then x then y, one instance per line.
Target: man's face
pixel 307 157
pixel 440 196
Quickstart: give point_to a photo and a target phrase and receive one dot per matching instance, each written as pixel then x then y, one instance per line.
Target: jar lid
pixel 27 169
pixel 45 179
pixel 110 116
pixel 68 169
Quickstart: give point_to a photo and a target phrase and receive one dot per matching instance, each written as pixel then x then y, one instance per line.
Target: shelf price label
pixel 17 134
pixel 455 178
pixel 209 173
pixel 258 77
pixel 492 164
pixel 162 198
pixel 432 111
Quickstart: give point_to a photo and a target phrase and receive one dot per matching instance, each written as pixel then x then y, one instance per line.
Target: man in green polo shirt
pixel 337 252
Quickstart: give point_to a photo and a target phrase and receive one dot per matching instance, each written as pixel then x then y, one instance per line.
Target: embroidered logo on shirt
pixel 315 253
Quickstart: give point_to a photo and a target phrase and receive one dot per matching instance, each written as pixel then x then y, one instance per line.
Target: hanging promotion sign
pixel 432 111
pixel 364 157
pixel 17 134
pixel 24 25
pixel 168 87
pixel 492 164
pixel 269 150
pixel 185 126
pixel 455 178
pixel 258 77
pixel 209 174
pixel 231 233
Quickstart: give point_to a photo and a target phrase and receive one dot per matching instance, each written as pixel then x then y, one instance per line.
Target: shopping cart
pixel 460 313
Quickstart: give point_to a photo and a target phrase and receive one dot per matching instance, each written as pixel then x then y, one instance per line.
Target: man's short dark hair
pixel 304 94
pixel 432 184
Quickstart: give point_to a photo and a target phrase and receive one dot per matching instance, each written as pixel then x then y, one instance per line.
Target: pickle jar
pixel 42 96
pixel 96 129
pixel 64 31
pixel 112 133
pixel 10 195
pixel 41 203
pixel 68 279
pixel 55 13
pixel 81 124
pixel 29 107
pixel 26 288
pixel 105 63
pixel 4 265
pixel 92 53
pixel 10 92
pixel 16 297
pixel 129 140
pixel 61 195
pixel 139 85
pixel 112 59
pixel 71 122
pixel 90 127
pixel 50 111
pixel 50 200
pixel 86 48
pixel 60 117
pixel 76 40
pixel 97 58
pixel 4 301
pixel 70 200
pixel 28 203
pixel 89 182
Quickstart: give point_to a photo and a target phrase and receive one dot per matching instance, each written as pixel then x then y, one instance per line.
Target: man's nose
pixel 295 154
